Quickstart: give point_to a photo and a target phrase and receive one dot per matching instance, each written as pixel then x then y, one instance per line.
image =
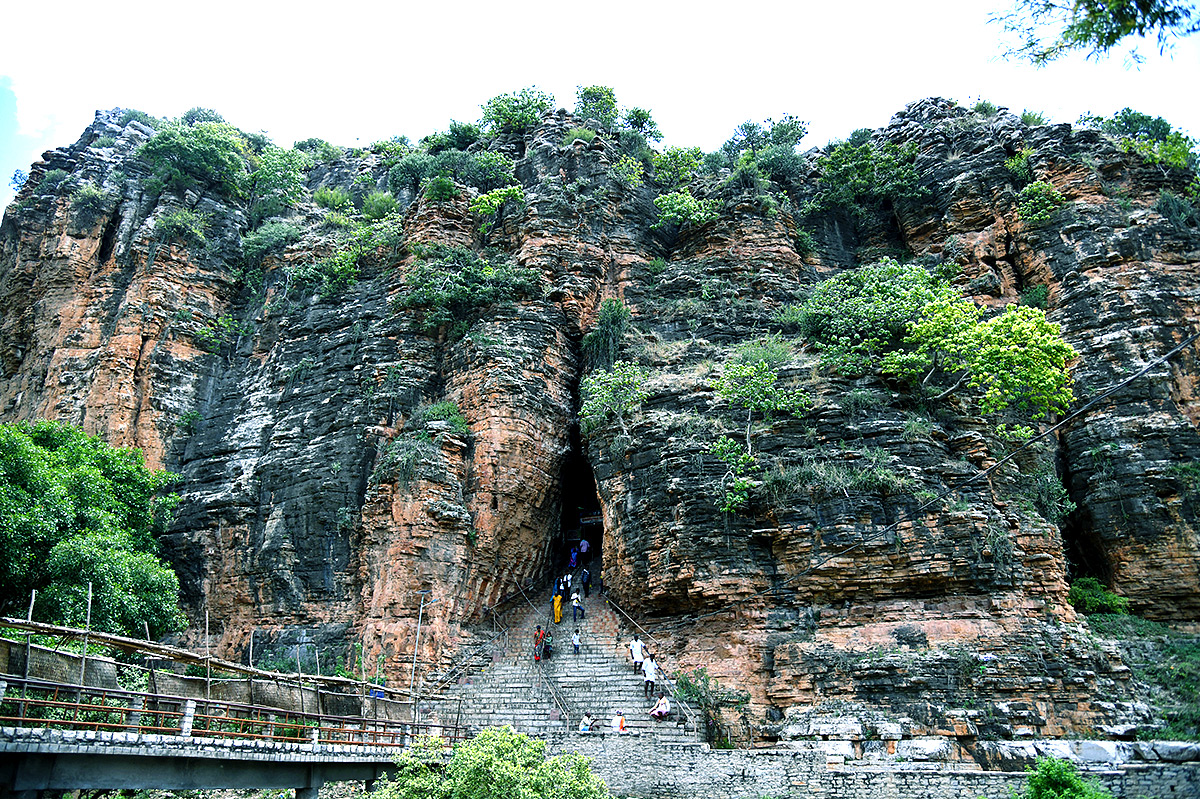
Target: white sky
pixel 352 72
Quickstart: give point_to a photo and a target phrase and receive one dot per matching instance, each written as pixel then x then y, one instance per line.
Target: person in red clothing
pixel 539 641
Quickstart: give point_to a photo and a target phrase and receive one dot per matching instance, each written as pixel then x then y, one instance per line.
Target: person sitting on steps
pixel 662 708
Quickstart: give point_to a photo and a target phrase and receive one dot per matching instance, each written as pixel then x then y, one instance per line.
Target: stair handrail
pixel 559 701
pixel 465 660
pixel 671 688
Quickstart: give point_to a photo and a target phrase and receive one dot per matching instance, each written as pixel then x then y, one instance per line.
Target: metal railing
pixel 555 695
pixel 666 680
pixel 44 704
pixel 466 661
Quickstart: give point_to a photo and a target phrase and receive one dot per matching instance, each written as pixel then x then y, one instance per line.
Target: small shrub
pixel 221 333
pixel 329 276
pixel 1088 595
pixel 596 105
pixel 441 189
pixel 1178 210
pixel 448 412
pixel 460 136
pixel 1057 779
pixel 319 149
pixel 181 224
pixel 985 108
pixel 205 155
pixel 628 170
pixel 1037 203
pixel 104 142
pixel 400 460
pixel 517 112
pixel 1020 167
pixel 681 208
pixel 331 197
pixel 337 219
pixel 188 422
pixel 53 180
pixel 272 237
pixel 613 394
pixel 448 286
pixel 197 115
pixel 87 203
pixel 916 428
pixel 804 242
pixel 578 134
pixel 379 204
pixel 1033 118
pixel 677 166
pixel 410 172
pixel 1035 296
pixel 133 115
pixel 602 346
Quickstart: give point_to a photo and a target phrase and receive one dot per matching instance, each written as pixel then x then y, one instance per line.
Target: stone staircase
pixel 599 680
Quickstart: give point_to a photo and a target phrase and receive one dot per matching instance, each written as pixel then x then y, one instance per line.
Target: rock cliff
pixel 320 496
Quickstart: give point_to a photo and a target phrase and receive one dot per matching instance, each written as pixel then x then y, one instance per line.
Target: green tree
pixel 1049 29
pixel 499 762
pixel 681 208
pixel 596 104
pixel 74 510
pixel 640 122
pixel 602 346
pixel 1153 138
pixel 209 155
pixel 612 395
pixel 1016 359
pixel 754 387
pixel 677 166
pixel 858 176
pixel 277 181
pixel 755 136
pixel 518 112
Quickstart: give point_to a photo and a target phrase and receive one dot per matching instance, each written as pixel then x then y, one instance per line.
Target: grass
pixel 1166 663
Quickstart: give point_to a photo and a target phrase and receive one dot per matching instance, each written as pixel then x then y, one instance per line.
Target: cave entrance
pixel 581 518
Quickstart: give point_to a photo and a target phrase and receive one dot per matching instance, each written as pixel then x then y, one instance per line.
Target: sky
pixel 353 72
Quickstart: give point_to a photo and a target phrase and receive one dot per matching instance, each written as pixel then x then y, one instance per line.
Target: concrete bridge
pixel 58 736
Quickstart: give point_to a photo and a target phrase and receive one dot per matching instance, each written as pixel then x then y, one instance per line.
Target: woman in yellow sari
pixel 557 608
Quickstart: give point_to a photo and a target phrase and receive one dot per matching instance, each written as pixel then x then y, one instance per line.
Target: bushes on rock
pixel 207 155
pixel 596 105
pixel 1053 778
pixel 518 112
pixel 182 225
pixel 87 203
pixel 448 286
pixel 611 395
pixel 332 197
pixel 677 166
pixel 441 189
pixel 602 346
pixel 858 176
pixel 379 204
pixel 681 208
pixel 1037 203
pixel 586 135
pixel 53 180
pixel 1088 595
pixel 272 237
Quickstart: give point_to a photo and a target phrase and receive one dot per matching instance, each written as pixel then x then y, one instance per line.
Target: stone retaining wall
pixel 638 766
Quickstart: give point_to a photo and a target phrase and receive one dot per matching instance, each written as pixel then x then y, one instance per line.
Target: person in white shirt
pixel 649 675
pixel 618 722
pixel 637 651
pixel 575 640
pixel 586 723
pixel 662 708
pixel 576 607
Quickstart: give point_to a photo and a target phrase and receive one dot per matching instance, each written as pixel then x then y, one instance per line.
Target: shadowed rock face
pixel 824 588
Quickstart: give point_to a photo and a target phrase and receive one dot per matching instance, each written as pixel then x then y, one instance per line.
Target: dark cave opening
pixel 581 519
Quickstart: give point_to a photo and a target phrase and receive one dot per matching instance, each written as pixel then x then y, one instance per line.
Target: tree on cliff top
pixel 1050 29
pixel 72 511
pixel 518 112
pixel 498 762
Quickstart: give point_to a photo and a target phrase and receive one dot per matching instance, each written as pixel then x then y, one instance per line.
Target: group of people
pixel 661 710
pixel 562 587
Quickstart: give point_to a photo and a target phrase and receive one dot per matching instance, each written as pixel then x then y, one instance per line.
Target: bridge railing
pixel 39 703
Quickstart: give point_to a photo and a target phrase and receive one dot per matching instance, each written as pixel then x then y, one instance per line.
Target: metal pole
pixel 28 647
pixel 207 662
pixel 87 629
pixel 251 664
pixel 416 645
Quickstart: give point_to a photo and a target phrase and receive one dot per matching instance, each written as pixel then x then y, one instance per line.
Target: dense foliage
pixel 498 762
pixel 448 286
pixel 1088 595
pixel 518 112
pixel 1153 138
pixel 207 155
pixel 612 395
pixel 858 175
pixel 681 208
pixel 602 346
pixel 1053 778
pixel 915 326
pixel 596 105
pixel 74 510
